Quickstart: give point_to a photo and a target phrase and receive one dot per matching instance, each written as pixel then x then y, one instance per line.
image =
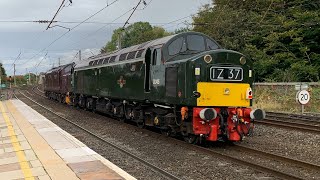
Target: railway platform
pixel 32 147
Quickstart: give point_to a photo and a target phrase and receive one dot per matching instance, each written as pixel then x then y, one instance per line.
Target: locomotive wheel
pixel 140 123
pixel 191 138
pixel 128 112
pixel 166 132
pixel 124 117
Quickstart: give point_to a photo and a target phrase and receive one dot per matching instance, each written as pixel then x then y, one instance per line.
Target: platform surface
pixel 32 147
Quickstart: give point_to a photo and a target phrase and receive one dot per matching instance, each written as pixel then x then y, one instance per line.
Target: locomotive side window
pixel 156 57
pixel 211 45
pixel 106 60
pixel 139 54
pixel 131 55
pixel 112 59
pixel 100 61
pixel 123 57
pixel 177 46
pixel 196 43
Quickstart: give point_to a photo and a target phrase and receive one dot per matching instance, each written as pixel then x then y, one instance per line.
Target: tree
pixel 3 73
pixel 281 36
pixel 136 33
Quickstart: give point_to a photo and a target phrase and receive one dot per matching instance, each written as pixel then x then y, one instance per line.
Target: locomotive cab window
pixel 196 43
pixel 177 46
pixel 211 45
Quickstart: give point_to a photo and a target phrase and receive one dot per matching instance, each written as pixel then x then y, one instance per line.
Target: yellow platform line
pixel 16 146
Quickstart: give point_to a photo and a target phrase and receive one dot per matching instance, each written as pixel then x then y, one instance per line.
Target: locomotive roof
pixel 59 68
pixel 130 53
pixel 136 48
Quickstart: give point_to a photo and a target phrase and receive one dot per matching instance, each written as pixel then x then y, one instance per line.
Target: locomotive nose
pixel 258 114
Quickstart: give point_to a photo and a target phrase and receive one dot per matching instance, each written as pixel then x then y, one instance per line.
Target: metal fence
pixel 281 96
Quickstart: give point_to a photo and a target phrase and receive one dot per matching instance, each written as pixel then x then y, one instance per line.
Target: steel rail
pixel 290 125
pixel 153 167
pixel 301 122
pixel 39 90
pixel 255 166
pixel 279 114
pixel 279 157
pixel 294 118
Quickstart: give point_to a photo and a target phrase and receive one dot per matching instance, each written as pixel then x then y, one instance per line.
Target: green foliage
pixel 3 73
pixel 281 36
pixel 181 30
pixel 136 33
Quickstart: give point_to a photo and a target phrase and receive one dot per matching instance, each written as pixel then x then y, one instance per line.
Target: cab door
pixel 157 74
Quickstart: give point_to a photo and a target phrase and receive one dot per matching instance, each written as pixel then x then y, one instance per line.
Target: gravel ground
pixel 289 143
pixel 158 150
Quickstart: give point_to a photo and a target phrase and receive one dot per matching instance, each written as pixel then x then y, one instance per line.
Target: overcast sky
pixel 33 41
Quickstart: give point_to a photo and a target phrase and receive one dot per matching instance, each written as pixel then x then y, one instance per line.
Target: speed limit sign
pixel 303 97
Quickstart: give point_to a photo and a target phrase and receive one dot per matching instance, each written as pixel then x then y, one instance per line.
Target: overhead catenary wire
pixel 76 22
pixel 57 39
pixel 106 24
pixel 16 58
pixel 131 9
pixel 102 28
pixel 135 8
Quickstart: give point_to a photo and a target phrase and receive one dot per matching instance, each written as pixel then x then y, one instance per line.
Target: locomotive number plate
pixel 226 74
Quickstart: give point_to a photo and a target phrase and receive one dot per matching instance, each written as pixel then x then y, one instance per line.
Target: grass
pixel 283 99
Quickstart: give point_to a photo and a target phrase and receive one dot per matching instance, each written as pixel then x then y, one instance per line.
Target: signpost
pixel 303 96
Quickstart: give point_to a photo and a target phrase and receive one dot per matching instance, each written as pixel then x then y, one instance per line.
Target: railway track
pixel 267 157
pixel 297 122
pixel 291 121
pixel 154 168
pixel 274 162
pixel 295 116
pixel 276 157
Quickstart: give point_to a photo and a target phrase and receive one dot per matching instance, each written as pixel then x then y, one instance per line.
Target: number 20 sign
pixel 303 97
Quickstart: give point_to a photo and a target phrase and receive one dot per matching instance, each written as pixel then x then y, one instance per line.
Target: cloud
pixel 31 38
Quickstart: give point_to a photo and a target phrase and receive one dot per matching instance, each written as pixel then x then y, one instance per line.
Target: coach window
pixel 211 45
pixel 177 46
pixel 196 43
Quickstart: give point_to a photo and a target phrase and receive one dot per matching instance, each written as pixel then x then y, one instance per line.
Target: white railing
pixel 287 83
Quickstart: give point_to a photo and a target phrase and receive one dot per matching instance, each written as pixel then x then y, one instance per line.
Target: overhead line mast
pixel 127 22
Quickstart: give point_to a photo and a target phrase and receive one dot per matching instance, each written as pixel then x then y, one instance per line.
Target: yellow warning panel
pixel 222 94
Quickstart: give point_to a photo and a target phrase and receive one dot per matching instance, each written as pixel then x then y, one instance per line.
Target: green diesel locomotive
pixel 183 84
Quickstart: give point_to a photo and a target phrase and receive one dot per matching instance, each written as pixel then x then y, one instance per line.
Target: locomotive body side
pixel 183 83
